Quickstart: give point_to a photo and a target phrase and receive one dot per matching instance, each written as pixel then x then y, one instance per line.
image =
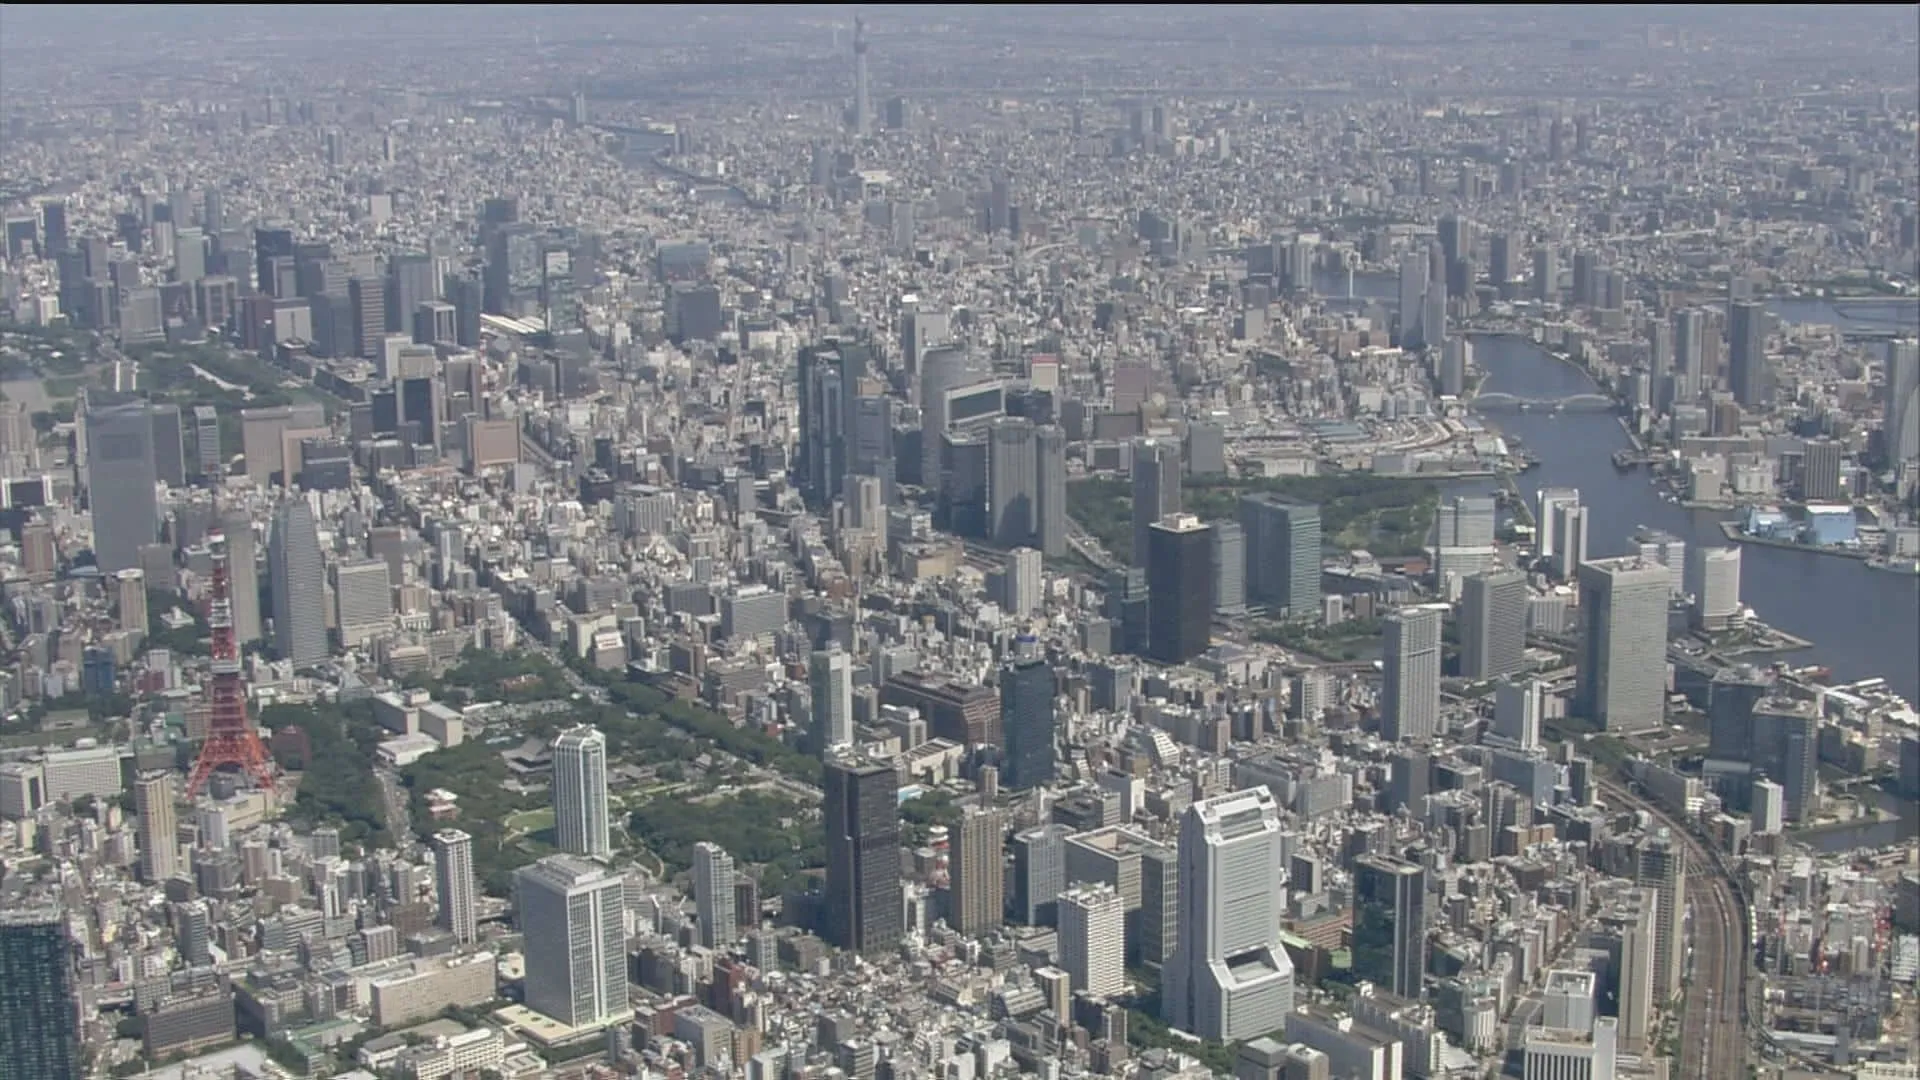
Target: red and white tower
pixel 232 740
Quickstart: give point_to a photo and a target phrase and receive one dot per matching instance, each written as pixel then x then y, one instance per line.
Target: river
pixel 1862 622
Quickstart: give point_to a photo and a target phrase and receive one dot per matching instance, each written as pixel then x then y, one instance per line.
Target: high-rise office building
pixel 1410 674
pixel 1715 587
pixel 1546 517
pixel 1027 724
pixel 243 576
pixel 1414 268
pixel 169 444
pixel 1093 940
pixel 1749 374
pixel 210 465
pixel 1282 544
pixel 1179 589
pixel 1900 401
pixel 713 894
pixel 121 473
pixel 1390 924
pixel 1156 489
pixel 830 681
pixel 1229 568
pixel 39 1013
pixel 1626 931
pixel 1229 978
pixel 862 113
pixel 572 913
pixel 362 600
pixel 976 893
pixel 159 848
pixel 1549 1053
pixel 130 600
pixel 1024 582
pixel 299 581
pixel 1013 478
pixel 1493 624
pixel 1050 508
pixel 1786 748
pixel 863 895
pixel 1518 705
pixel 1570 539
pixel 454 887
pixel 1622 682
pixel 1039 873
pixel 1660 864
pixel 581 815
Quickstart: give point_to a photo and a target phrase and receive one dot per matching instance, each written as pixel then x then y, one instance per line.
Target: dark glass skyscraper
pixel 1027 723
pixel 39 1020
pixel 1179 589
pixel 863 856
pixel 1749 375
pixel 1389 924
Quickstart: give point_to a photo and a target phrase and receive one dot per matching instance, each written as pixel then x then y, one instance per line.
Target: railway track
pixel 1713 1008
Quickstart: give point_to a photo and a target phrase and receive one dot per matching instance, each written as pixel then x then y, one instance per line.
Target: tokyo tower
pixel 232 740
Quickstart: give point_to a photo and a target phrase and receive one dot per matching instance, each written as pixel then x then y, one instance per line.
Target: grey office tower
pixel 120 482
pixel 299 580
pixel 1283 555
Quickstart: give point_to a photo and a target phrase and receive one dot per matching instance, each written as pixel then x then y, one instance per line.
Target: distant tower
pixel 580 792
pixel 862 96
pixel 232 740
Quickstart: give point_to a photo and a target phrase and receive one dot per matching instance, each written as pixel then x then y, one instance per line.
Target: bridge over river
pixel 1500 401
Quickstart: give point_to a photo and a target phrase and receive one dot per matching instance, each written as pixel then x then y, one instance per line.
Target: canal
pixel 1862 622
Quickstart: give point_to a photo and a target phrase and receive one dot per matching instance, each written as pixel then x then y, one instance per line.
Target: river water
pixel 1862 622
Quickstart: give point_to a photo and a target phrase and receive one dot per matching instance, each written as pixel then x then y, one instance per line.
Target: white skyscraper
pixel 713 894
pixel 580 815
pixel 1623 648
pixel 362 600
pixel 1410 673
pixel 830 677
pixel 454 884
pixel 1715 586
pixel 1559 1054
pixel 1570 539
pixel 1229 978
pixel 1517 706
pixel 1546 517
pixel 1025 581
pixel 1093 939
pixel 572 913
